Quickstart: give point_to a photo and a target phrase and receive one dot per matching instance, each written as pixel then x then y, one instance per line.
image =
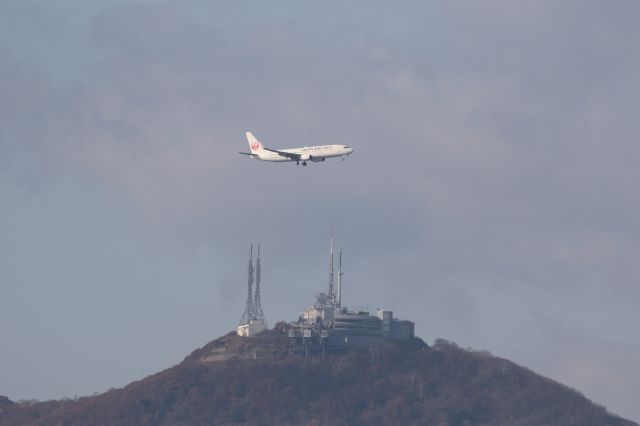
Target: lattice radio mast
pixel 340 274
pixel 248 310
pixel 332 295
pixel 257 306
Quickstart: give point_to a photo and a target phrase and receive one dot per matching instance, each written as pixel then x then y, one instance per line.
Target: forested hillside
pixel 412 385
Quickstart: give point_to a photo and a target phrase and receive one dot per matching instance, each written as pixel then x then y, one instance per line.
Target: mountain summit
pixel 257 381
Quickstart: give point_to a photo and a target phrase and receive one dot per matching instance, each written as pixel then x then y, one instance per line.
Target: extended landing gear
pixel 304 163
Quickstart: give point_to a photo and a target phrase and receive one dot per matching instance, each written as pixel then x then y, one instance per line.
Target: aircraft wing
pixel 284 154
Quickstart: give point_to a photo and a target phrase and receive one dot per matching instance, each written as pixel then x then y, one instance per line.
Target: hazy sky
pixel 492 196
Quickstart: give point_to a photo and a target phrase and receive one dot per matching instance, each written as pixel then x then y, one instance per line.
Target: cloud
pixel 494 158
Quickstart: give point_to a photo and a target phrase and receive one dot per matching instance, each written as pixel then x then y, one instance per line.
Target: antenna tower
pixel 248 310
pixel 257 306
pixel 340 274
pixel 332 296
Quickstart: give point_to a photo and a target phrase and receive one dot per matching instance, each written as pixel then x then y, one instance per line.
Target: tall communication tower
pixel 257 306
pixel 248 310
pixel 340 274
pixel 332 295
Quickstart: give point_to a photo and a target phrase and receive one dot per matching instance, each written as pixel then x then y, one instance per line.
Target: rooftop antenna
pixel 248 310
pixel 340 274
pixel 332 296
pixel 257 306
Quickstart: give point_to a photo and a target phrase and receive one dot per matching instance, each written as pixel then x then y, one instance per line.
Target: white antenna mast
pixel 332 296
pixel 340 274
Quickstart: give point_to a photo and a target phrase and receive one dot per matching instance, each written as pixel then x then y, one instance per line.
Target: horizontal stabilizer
pixel 249 154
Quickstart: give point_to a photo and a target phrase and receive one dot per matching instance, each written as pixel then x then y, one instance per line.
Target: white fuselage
pixel 307 153
pixel 299 155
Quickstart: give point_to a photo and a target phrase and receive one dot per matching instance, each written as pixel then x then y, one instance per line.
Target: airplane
pixel 304 154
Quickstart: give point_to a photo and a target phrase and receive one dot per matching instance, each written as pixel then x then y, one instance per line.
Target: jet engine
pixel 316 159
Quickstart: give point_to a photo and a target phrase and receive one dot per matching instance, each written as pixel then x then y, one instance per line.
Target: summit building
pixel 327 324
